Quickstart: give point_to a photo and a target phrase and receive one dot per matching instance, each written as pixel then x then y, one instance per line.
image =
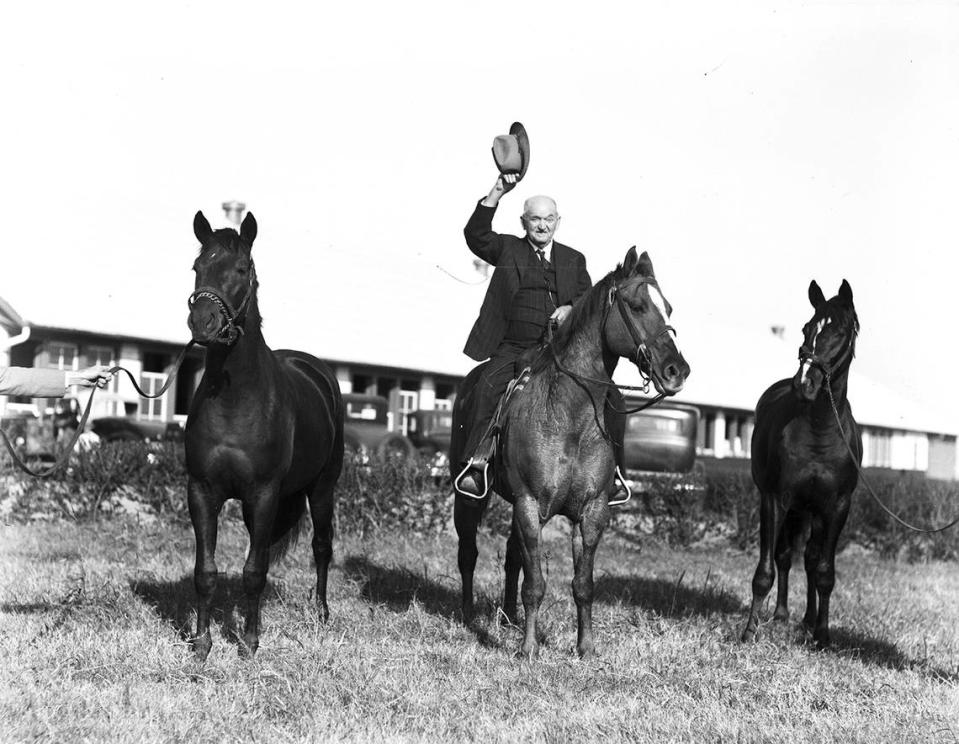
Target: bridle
pixel 807 355
pixel 640 355
pixel 232 326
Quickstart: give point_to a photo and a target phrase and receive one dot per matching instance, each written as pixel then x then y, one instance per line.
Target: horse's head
pixel 225 281
pixel 637 325
pixel 829 340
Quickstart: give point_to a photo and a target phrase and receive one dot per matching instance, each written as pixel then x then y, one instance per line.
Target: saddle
pixel 489 444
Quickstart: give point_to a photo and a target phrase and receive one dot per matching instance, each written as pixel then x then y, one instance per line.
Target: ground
pixel 94 620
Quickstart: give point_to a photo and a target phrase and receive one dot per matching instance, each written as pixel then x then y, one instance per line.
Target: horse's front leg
pixel 259 513
pixel 467 514
pixel 204 507
pixel 789 536
pixel 586 536
pixel 826 569
pixel 526 523
pixel 770 519
pixel 511 568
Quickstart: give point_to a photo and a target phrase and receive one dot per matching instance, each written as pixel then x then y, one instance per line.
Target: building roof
pixel 380 320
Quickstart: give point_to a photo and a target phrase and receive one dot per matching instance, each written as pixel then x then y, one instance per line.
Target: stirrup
pixel 618 478
pixel 459 478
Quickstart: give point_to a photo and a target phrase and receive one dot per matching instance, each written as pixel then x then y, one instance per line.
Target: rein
pixel 896 517
pixel 641 354
pixel 68 450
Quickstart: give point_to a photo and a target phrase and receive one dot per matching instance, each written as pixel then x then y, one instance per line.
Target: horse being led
pixel 555 454
pixel 801 463
pixel 265 427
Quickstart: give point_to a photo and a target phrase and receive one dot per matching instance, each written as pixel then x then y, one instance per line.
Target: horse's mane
pixel 584 309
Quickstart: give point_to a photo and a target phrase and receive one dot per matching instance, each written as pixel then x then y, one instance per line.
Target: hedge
pixel 148 481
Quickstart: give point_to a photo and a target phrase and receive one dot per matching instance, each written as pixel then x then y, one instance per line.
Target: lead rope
pixel 855 461
pixel 68 450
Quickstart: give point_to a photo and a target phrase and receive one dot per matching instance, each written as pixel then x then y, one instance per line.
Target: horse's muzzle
pixel 672 375
pixel 807 383
pixel 205 322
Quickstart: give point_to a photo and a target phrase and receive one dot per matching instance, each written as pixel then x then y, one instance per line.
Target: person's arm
pixel 480 238
pixel 48 383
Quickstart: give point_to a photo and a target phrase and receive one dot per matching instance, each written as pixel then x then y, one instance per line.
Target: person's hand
pixel 97 376
pixel 560 314
pixel 505 183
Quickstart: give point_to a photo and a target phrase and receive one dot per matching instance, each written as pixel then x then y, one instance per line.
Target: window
pixel 62 355
pixel 150 408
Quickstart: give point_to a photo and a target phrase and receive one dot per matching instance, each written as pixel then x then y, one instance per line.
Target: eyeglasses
pixel 550 221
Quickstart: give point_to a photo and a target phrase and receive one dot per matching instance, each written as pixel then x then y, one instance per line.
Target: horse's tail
pixel 287 526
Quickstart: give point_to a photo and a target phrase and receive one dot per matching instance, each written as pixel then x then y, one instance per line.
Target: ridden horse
pixel 802 466
pixel 554 454
pixel 265 427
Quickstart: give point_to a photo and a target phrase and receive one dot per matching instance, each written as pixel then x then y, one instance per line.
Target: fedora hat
pixel 511 151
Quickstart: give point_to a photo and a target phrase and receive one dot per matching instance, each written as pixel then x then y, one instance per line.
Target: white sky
pixel 748 149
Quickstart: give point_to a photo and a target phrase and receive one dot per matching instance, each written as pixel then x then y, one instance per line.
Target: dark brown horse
pixel 802 466
pixel 265 427
pixel 555 453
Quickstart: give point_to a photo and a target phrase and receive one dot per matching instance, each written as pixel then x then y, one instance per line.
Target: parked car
pixel 129 429
pixel 661 439
pixel 430 433
pixel 30 435
pixel 365 433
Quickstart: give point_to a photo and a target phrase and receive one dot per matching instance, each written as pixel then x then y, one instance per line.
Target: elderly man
pixel 536 280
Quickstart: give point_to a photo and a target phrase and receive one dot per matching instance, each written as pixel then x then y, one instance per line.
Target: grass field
pixel 94 620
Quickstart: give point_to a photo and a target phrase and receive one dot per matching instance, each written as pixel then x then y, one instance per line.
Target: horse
pixel 806 453
pixel 555 454
pixel 265 427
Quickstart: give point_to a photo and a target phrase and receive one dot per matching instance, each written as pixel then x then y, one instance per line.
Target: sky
pixel 748 149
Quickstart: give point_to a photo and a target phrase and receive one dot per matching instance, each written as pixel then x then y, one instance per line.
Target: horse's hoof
pixel 587 652
pixel 821 637
pixel 749 634
pixel 201 647
pixel 247 648
pixel 781 614
pixel 528 653
pixel 324 613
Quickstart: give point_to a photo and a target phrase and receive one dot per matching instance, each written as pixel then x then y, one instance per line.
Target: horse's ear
pixel 629 263
pixel 248 228
pixel 201 228
pixel 816 296
pixel 845 291
pixel 645 265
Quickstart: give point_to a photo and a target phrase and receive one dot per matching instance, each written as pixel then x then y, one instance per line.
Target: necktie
pixel 542 258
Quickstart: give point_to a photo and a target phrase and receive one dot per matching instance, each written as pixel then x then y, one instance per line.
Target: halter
pixel 815 360
pixel 232 327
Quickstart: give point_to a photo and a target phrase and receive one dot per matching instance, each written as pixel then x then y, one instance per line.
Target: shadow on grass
pixel 852 644
pixel 175 602
pixel 398 587
pixel 666 598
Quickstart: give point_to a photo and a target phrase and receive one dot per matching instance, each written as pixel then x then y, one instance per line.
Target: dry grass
pixel 93 623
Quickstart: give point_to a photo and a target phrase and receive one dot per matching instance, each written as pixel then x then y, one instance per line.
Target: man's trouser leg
pixel 488 391
pixel 616 429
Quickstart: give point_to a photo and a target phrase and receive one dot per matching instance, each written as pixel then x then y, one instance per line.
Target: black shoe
pixel 472 481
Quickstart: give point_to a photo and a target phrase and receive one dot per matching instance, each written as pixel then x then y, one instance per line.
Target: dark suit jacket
pixel 511 255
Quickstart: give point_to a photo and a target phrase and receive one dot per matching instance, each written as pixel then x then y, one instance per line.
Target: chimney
pixel 234 213
pixel 778 331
